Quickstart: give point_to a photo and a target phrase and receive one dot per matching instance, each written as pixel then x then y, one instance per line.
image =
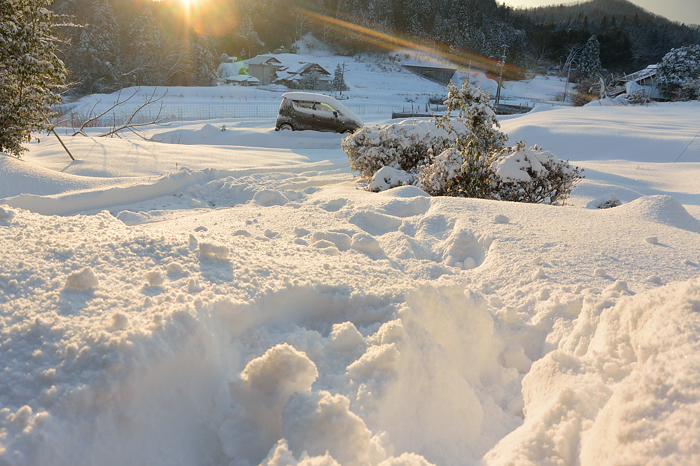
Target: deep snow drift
pixel 237 297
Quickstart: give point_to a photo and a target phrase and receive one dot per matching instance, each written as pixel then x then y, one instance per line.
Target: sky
pixel 683 11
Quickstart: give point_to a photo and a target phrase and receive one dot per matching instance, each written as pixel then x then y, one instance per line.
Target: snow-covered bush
pixel 460 173
pixel 638 98
pixel 387 178
pixel 472 160
pixel 607 201
pixel 512 174
pixel 403 145
pixel 678 67
pixel 532 175
pixel 690 90
pixel 409 145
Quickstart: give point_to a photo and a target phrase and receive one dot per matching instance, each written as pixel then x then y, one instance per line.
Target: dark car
pixel 307 111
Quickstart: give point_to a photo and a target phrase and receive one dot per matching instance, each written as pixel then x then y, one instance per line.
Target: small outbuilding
pixel 264 68
pixel 643 82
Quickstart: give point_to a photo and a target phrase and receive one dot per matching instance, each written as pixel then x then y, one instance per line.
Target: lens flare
pixel 396 42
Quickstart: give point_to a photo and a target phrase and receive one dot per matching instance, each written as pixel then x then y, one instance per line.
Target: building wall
pixel 265 73
pixel 650 90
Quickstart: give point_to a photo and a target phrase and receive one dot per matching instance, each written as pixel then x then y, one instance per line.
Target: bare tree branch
pixel 129 123
pixel 92 119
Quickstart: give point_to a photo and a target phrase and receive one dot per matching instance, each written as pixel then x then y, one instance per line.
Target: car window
pixel 324 107
pixel 303 104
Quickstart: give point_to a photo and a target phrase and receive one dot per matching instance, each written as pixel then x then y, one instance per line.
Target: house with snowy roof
pixel 286 69
pixel 644 82
pixel 264 68
pixel 304 76
pixel 236 72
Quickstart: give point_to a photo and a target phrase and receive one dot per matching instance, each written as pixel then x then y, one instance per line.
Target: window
pixel 303 104
pixel 324 107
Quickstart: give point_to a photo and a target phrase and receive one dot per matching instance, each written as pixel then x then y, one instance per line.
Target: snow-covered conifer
pixel 678 67
pixel 95 58
pixel 589 58
pixel 30 72
pixel 338 83
pixel 476 115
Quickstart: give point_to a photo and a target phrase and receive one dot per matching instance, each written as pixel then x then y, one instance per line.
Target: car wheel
pixel 286 127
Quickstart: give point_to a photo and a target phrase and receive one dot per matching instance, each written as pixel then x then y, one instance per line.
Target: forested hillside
pixel 110 44
pixel 630 37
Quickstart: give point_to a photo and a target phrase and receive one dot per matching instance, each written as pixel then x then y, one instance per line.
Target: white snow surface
pixel 238 297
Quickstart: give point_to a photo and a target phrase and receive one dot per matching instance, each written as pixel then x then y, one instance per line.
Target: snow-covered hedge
pixel 533 175
pixel 513 174
pixel 465 173
pixel 403 145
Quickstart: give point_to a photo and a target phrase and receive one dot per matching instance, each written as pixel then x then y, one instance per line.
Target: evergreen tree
pixel 678 67
pixel 589 59
pixel 95 58
pixel 338 83
pixel 145 52
pixel 30 72
pixel 204 62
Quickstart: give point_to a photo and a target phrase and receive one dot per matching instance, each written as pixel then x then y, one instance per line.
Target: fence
pixel 72 117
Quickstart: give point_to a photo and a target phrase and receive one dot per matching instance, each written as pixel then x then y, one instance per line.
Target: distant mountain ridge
pixel 631 37
pixel 602 7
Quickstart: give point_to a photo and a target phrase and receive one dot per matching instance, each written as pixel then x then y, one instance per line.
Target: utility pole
pixel 343 80
pixel 502 63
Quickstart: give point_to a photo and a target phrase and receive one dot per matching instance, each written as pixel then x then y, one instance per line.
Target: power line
pixel 686 147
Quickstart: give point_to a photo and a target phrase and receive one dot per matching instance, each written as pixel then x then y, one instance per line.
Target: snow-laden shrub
pixel 638 98
pixel 690 90
pixel 387 178
pixel 512 174
pixel 459 173
pixel 469 125
pixel 607 201
pixel 403 145
pixel 532 175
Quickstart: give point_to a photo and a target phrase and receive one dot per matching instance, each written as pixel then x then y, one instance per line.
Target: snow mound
pixel 606 201
pixel 666 210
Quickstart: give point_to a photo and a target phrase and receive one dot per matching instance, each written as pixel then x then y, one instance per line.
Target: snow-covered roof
pixel 243 78
pixel 296 71
pixel 265 59
pixel 647 72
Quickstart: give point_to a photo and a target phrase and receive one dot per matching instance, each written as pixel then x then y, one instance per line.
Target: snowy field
pixel 375 85
pixel 237 297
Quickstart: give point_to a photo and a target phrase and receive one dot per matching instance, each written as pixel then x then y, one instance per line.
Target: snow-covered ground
pixel 237 297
